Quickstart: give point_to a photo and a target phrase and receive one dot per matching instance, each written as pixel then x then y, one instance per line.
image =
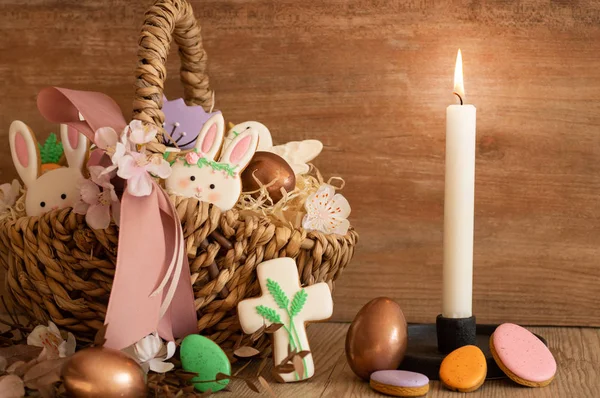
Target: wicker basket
pixel 61 270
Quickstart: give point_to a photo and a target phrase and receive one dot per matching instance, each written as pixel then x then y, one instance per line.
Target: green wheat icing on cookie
pixel 291 309
pixel 52 150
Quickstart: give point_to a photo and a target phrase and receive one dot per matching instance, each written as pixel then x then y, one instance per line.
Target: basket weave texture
pixel 61 270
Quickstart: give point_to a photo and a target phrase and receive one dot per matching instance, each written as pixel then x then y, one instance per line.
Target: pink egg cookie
pixel 522 356
pixel 400 383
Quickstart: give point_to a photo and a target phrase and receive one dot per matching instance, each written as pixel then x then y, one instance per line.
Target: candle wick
pixel 459 97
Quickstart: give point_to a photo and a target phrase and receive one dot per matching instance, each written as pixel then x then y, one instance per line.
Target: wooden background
pixel 372 79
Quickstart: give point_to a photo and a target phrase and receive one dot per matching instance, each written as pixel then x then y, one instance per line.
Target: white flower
pixel 10 193
pixel 136 167
pixel 49 338
pixel 151 353
pixel 326 212
pixel 141 133
pixel 115 146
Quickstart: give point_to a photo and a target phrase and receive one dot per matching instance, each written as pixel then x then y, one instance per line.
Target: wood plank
pixel 577 376
pixel 371 79
pixel 327 342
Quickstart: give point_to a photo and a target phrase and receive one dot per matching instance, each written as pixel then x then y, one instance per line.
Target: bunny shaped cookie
pixel 199 175
pixel 55 189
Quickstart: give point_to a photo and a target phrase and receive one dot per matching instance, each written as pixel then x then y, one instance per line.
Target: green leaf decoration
pixel 216 166
pixel 278 294
pixel 298 302
pixel 52 150
pixel 269 313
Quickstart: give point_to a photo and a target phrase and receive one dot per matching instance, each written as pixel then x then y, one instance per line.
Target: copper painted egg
pixel 268 167
pixel 377 338
pixel 100 372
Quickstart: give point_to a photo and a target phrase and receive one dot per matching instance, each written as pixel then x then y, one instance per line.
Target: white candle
pixel 459 204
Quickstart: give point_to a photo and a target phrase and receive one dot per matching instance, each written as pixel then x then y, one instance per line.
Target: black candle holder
pixel 453 333
pixel 429 344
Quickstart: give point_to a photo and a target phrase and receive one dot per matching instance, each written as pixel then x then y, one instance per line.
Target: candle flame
pixel 459 85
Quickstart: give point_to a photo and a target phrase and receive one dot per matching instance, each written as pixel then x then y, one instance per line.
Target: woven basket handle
pixel 164 21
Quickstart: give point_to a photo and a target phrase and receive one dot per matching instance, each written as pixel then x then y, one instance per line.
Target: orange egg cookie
pixel 464 369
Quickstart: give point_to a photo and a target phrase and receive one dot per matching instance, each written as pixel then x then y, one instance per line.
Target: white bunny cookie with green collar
pixel 57 188
pixel 200 175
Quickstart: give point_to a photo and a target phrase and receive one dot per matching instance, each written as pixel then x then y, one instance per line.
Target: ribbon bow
pixel 152 288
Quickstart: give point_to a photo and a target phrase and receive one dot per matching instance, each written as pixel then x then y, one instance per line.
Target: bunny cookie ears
pixel 199 175
pixel 56 188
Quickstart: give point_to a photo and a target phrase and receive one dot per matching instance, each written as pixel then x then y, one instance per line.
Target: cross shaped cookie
pixel 284 301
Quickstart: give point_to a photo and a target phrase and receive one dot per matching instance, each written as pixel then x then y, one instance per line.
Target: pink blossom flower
pixel 98 204
pixel 141 133
pixel 100 177
pixel 10 192
pixel 107 139
pixel 135 168
pixel 50 339
pixel 192 157
pixel 326 212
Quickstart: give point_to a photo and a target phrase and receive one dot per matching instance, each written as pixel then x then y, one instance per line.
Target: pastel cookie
pixel 58 187
pixel 265 140
pixel 210 172
pixel 522 356
pixel 298 153
pixel 464 369
pixel 203 356
pixel 286 302
pixel 400 383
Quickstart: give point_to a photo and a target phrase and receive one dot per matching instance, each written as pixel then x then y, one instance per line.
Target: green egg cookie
pixel 203 356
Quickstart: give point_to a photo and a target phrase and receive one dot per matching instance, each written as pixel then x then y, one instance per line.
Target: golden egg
pixel 100 372
pixel 377 338
pixel 269 168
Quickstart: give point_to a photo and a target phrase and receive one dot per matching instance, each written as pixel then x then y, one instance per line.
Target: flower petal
pixel 312 222
pixel 140 133
pixel 147 348
pixel 80 207
pixel 35 337
pixel 340 227
pixel 158 366
pixel 54 329
pixel 159 167
pixel 128 167
pixel 89 191
pixel 140 185
pixel 136 125
pixel 100 177
pixel 98 216
pixel 16 186
pixel 339 206
pixel 62 349
pixel 106 137
pixel 10 192
pixel 110 171
pixel 120 151
pixel 319 199
pixel 171 347
pixel 71 344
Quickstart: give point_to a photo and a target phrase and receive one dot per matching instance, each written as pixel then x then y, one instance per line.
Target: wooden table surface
pixel 577 351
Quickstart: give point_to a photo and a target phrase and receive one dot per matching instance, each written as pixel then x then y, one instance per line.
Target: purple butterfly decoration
pixel 183 123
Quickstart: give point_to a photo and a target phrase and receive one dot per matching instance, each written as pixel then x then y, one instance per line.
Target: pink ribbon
pixel 152 288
